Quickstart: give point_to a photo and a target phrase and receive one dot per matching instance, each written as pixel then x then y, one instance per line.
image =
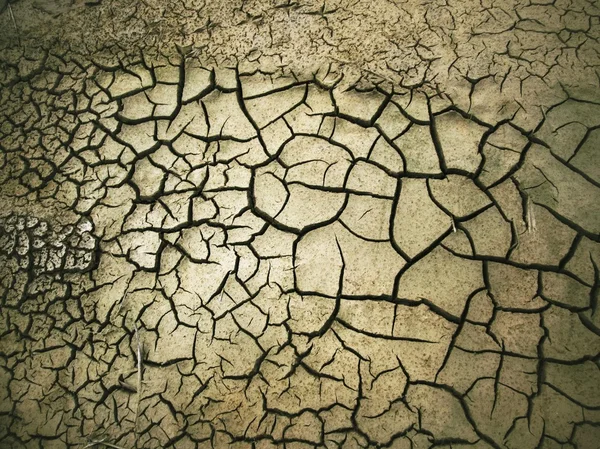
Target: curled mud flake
pixel 39 247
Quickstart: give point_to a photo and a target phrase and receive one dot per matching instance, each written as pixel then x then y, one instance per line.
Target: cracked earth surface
pixel 300 225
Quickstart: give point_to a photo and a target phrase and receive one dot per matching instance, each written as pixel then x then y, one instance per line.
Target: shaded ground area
pixel 294 225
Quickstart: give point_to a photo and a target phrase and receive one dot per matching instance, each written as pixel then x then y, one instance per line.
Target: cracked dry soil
pixel 299 224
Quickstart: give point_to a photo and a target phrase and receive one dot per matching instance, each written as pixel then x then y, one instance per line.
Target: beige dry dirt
pixel 300 224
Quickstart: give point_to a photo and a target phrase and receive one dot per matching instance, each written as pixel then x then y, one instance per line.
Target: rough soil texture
pixel 299 224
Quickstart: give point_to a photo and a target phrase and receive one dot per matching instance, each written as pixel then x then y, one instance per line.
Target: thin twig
pixel 531 225
pixel 139 380
pixel 103 443
pixel 12 16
